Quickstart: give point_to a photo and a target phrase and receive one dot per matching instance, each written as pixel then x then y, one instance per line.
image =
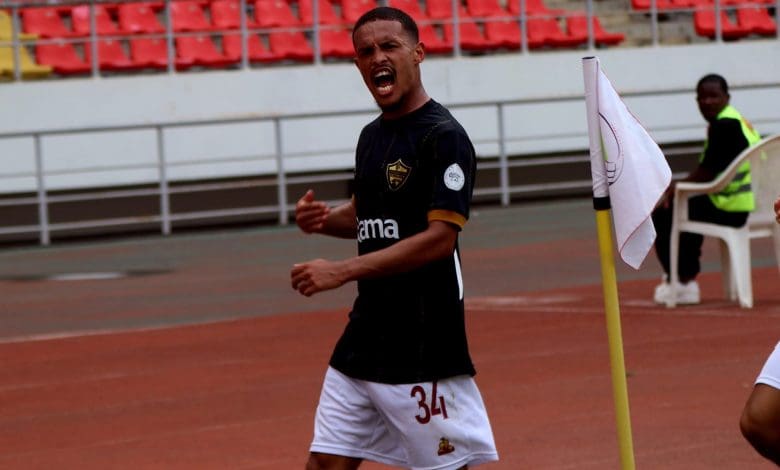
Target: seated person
pixel 728 135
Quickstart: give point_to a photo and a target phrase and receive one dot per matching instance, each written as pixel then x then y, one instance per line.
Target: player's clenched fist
pixel 310 215
pixel 316 276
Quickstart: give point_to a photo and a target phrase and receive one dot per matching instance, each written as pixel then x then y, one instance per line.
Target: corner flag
pixel 631 166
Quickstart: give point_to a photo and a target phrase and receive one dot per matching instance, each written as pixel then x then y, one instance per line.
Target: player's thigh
pixel 320 461
pixel 440 424
pixel 348 424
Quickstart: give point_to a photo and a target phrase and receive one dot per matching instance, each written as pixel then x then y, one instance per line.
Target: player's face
pixel 711 99
pixel 388 60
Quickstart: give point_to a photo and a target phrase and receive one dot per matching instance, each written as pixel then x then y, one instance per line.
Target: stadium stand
pixel 273 13
pixel 704 24
pixel 81 20
pixel 189 16
pixel 327 14
pixel 336 43
pixel 200 50
pixel 152 53
pixel 257 51
pixel 577 27
pixel 46 22
pixel 756 20
pixel 62 57
pixel 351 10
pixel 111 56
pixel 290 45
pixel 135 18
pixel 28 67
pixel 281 31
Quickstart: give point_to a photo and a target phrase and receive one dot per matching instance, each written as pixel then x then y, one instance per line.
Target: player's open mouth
pixel 383 81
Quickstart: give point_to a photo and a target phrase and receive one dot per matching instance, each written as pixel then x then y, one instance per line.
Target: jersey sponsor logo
pixel 397 174
pixel 445 447
pixel 454 178
pixel 377 228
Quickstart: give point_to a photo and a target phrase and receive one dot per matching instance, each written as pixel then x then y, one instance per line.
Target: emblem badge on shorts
pixel 445 447
pixel 454 178
pixel 397 174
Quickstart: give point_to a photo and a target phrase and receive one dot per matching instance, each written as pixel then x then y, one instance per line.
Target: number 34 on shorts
pixel 430 404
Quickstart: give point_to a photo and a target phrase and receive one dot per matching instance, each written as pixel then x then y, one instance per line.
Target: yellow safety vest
pixel 737 196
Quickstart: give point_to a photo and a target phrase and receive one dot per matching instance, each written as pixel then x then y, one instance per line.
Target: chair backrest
pixel 765 181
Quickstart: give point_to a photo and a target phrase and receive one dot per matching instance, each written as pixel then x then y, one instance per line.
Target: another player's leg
pixel 320 461
pixel 760 422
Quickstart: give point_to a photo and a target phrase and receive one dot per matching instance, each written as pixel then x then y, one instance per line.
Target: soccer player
pixel 399 388
pixel 760 422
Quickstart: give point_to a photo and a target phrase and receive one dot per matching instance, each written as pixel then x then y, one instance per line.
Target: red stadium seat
pixel 200 50
pixel 46 23
pixel 485 8
pixel 336 44
pixel 290 46
pixel 189 16
pixel 756 20
pixel 139 18
pixel 152 53
pixel 81 21
pixel 62 57
pixel 226 15
pixel 432 42
pixel 704 25
pixel 471 38
pixel 547 32
pixel 577 27
pixel 412 8
pixel 352 10
pixel 256 50
pixel 111 55
pixel 504 33
pixel 273 13
pixel 533 8
pixel 326 12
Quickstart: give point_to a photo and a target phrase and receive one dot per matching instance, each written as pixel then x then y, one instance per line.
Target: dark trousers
pixel 700 208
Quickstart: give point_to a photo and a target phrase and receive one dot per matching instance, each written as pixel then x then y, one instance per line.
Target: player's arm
pixel 313 216
pixel 434 243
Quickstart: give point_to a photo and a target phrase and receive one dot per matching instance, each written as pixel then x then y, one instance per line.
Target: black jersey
pixel 409 327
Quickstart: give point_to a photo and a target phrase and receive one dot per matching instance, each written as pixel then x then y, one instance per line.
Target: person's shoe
pixel 686 294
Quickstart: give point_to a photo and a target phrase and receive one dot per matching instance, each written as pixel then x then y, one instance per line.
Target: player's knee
pixel 760 432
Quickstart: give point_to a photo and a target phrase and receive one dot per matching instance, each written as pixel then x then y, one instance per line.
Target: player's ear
pixel 419 52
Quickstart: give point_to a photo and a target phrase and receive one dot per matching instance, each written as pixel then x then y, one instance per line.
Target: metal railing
pixel 279 177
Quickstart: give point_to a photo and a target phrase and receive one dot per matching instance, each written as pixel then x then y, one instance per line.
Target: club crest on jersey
pixel 445 447
pixel 397 174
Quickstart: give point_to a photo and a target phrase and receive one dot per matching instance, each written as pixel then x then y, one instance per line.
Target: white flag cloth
pixel 636 171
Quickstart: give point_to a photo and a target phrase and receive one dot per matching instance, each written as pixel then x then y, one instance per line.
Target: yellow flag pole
pixel 615 336
pixel 601 204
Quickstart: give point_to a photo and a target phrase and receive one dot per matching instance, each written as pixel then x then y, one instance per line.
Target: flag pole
pixel 601 204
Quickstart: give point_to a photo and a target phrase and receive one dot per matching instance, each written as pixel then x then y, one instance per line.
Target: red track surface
pixel 241 393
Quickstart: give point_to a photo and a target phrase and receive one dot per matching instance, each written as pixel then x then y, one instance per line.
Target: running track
pixel 204 357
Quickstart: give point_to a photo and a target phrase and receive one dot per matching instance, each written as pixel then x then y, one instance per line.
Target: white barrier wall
pixel 657 84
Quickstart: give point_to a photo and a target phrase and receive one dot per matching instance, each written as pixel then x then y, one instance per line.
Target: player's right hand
pixel 310 214
pixel 777 210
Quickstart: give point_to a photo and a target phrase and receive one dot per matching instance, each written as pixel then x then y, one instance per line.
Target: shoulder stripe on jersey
pixel 447 216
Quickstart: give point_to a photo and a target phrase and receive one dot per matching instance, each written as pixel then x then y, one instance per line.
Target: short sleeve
pixel 454 165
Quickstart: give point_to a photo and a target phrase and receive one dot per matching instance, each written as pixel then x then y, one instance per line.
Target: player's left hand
pixel 316 276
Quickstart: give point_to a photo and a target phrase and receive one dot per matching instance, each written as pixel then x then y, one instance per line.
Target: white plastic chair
pixel 734 242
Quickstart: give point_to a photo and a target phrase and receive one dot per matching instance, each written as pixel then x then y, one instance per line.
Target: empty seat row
pixel 747 21
pixel 666 5
pixel 67 57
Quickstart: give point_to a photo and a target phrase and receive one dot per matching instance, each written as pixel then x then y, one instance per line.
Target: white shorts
pixel 439 425
pixel 770 374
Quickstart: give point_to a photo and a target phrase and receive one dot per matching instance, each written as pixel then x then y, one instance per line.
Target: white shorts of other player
pixel 439 425
pixel 770 373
